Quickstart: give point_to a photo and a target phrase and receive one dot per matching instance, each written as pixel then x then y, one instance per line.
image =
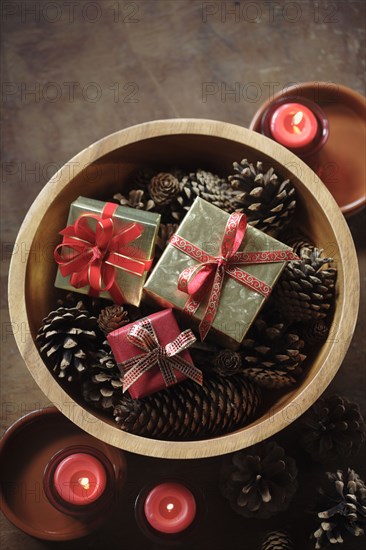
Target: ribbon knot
pixel 208 275
pixel 167 358
pixel 91 256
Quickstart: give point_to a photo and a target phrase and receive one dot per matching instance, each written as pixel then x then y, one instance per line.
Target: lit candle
pixel 294 125
pixel 170 507
pixel 80 479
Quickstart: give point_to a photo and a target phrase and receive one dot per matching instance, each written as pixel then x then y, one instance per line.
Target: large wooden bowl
pixel 99 171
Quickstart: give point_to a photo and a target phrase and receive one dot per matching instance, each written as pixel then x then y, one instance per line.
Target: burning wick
pixel 84 482
pixel 170 507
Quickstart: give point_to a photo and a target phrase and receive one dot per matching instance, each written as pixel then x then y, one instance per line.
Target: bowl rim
pixel 304 397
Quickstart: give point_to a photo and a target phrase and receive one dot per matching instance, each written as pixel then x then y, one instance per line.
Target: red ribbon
pixel 208 274
pixel 143 336
pixel 92 256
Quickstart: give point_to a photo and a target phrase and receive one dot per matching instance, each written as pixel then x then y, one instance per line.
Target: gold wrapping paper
pixel 130 284
pixel 204 226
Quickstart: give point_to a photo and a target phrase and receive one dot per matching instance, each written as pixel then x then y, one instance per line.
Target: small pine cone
pixel 300 244
pixel 136 198
pixel 66 339
pixel 267 200
pixel 188 411
pixel 103 383
pixel 277 540
pixel 315 332
pixel 206 185
pixel 166 230
pixel 343 508
pixel 332 428
pixel 271 355
pixel 112 317
pixel 228 362
pixel 260 481
pixel 305 289
pixel 163 189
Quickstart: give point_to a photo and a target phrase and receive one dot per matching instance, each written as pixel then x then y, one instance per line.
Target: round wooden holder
pixel 100 171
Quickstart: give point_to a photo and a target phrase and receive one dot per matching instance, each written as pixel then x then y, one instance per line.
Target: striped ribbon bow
pixel 91 257
pixel 167 358
pixel 208 275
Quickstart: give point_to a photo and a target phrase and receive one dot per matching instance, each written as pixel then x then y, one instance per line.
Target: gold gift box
pixel 204 226
pixel 131 285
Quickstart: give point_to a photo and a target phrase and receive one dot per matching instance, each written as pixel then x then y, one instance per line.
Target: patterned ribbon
pixel 143 336
pixel 92 256
pixel 208 274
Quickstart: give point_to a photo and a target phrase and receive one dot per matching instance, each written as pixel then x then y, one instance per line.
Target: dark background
pixel 72 73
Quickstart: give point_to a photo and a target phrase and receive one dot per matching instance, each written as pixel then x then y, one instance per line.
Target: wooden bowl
pixel 99 171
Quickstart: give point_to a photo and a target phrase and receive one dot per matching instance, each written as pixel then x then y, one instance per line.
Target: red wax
pixel 294 125
pixel 80 479
pixel 170 507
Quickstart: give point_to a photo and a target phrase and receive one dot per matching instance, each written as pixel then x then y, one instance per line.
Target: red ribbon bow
pixel 93 255
pixel 143 336
pixel 208 274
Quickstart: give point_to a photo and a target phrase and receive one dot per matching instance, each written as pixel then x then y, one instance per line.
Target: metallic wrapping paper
pixel 204 226
pixel 131 285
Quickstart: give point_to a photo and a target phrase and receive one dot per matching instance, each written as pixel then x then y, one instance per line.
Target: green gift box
pixel 205 227
pixel 106 250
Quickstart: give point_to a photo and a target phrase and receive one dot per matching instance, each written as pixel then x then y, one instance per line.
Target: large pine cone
pixel 271 356
pixel 343 508
pixel 305 290
pixel 267 200
pixel 277 540
pixel 66 340
pixel 206 185
pixel 260 481
pixel 188 411
pixel 334 427
pixel 103 383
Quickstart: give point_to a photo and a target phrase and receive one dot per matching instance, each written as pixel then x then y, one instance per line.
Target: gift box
pixel 152 354
pixel 218 271
pixel 106 250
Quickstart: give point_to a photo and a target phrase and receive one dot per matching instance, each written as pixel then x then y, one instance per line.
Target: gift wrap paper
pixel 131 285
pixel 204 226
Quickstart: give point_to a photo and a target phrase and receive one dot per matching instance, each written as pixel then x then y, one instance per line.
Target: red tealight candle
pixel 294 125
pixel 170 507
pixel 80 479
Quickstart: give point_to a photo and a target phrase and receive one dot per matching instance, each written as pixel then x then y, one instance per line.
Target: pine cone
pixel 260 481
pixel 334 427
pixel 66 339
pixel 188 411
pixel 267 200
pixel 103 387
pixel 298 242
pixel 277 540
pixel 206 185
pixel 315 332
pixel 343 508
pixel 166 230
pixel 92 304
pixel 228 362
pixel 271 356
pixel 305 290
pixel 112 317
pixel 163 189
pixel 136 198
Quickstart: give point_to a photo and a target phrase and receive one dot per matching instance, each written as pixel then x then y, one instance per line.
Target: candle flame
pixel 84 482
pixel 296 120
pixel 170 507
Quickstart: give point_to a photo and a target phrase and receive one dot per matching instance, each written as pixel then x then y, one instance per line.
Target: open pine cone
pixel 66 339
pixel 267 200
pixel 112 317
pixel 163 189
pixel 342 508
pixel 271 355
pixel 102 384
pixel 136 198
pixel 260 481
pixel 333 427
pixel 228 363
pixel 306 289
pixel 277 540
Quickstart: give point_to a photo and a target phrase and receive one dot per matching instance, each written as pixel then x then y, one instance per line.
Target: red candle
pixel 294 125
pixel 80 479
pixel 170 507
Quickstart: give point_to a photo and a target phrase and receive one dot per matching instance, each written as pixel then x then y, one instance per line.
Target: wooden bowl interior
pixel 108 175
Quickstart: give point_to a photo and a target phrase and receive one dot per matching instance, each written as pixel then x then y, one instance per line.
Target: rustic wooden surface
pixel 68 81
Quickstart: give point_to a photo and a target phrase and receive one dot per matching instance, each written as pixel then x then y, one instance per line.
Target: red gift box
pixel 127 353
